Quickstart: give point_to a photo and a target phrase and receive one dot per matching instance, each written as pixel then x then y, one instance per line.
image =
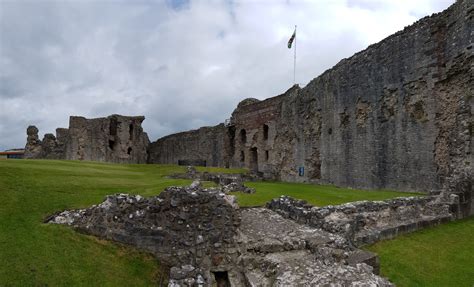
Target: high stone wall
pixel 397 115
pixel 206 145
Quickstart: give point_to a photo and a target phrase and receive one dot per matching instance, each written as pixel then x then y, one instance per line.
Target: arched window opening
pixel 243 136
pixel 265 132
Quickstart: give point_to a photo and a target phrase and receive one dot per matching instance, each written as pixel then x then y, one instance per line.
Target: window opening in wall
pixel 330 131
pixel 267 155
pixel 243 136
pixel 265 132
pixel 131 131
pixel 242 156
pixel 111 144
pixel 113 127
pixel 129 150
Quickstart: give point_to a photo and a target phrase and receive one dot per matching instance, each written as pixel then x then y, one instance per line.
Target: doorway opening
pixel 253 159
pixel 222 279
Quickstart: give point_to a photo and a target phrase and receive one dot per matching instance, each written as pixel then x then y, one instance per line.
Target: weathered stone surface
pixel 366 222
pixel 113 139
pixel 190 229
pixel 397 115
pixel 206 239
pixel 33 143
pixel 116 138
pixel 205 146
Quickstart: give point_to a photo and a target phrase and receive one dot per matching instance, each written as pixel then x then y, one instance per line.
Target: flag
pixel 290 42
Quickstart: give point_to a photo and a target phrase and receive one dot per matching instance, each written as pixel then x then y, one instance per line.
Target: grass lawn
pixel 318 195
pixel 37 254
pixel 221 169
pixel 438 256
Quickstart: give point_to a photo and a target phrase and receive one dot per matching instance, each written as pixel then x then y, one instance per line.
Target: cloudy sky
pixel 181 63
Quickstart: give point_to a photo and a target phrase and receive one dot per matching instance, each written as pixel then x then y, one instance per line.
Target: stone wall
pixel 366 222
pixel 115 138
pixel 398 115
pixel 206 240
pixel 206 145
pixel 190 230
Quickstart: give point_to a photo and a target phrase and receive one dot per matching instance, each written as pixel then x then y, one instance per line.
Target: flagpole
pixel 294 62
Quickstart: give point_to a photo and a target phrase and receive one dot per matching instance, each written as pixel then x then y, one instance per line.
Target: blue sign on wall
pixel 301 171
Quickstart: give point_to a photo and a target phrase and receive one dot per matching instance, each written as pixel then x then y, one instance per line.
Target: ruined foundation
pixel 205 239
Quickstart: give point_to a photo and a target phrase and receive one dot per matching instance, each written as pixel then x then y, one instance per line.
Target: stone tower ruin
pixel 116 138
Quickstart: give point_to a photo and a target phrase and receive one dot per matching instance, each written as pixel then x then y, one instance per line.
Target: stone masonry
pixel 207 240
pixel 366 222
pixel 398 115
pixel 116 138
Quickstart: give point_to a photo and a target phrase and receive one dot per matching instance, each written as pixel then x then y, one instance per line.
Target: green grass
pixel 220 169
pixel 319 195
pixel 438 256
pixel 37 254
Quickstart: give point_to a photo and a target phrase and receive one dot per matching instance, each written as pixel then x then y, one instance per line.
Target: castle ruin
pixel 116 138
pixel 397 115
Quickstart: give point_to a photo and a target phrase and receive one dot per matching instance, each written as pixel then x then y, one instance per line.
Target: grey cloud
pixel 180 63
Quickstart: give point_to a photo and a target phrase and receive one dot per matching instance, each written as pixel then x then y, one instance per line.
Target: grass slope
pixel 36 254
pixel 438 256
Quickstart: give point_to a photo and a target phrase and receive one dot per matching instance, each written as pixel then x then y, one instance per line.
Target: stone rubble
pixel 226 182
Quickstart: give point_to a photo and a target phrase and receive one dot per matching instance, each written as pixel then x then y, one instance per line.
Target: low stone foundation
pixel 366 222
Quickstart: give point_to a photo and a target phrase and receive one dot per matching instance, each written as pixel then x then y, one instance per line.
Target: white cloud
pixel 182 63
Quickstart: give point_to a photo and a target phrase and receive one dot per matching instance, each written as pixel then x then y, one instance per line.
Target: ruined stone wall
pixel 366 222
pixel 398 115
pixel 252 133
pixel 112 139
pixel 191 230
pixel 205 145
